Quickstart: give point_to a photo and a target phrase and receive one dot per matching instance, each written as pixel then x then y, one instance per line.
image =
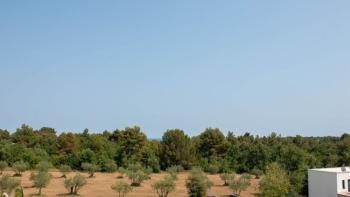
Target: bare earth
pixel 100 185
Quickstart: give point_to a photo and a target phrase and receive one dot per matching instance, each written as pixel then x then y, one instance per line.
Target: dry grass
pixel 100 185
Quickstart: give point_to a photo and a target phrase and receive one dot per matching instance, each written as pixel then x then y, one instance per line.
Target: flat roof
pixel 334 170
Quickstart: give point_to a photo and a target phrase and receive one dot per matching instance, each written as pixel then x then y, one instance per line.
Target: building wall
pixel 340 177
pixel 322 184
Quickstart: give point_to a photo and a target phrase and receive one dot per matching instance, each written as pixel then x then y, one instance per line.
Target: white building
pixel 329 182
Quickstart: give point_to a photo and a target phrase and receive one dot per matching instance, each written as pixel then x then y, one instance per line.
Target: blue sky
pixel 242 66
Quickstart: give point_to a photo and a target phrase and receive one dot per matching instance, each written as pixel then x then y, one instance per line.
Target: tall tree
pixel 177 149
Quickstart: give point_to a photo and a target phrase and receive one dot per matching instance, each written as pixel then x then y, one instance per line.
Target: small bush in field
pixel 237 185
pixel 121 171
pixel 121 188
pixel 137 177
pixel 75 183
pixel 19 167
pixel 197 183
pixel 165 186
pixel 90 168
pixel 65 169
pixel 226 177
pixel 110 166
pixel 257 173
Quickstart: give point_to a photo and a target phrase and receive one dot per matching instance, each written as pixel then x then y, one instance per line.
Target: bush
pixel 75 183
pixel 257 173
pixel 137 177
pixel 90 168
pixel 8 184
pixel 110 166
pixel 65 169
pixel 227 177
pixel 43 166
pixel 121 188
pixel 40 180
pixel 198 183
pixel 240 184
pixel 121 171
pixel 213 169
pixel 3 166
pixel 19 167
pixel 165 186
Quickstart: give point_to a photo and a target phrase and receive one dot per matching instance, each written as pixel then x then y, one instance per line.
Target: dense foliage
pixel 214 152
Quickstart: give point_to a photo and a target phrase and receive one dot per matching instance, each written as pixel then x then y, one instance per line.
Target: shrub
pixel 40 180
pixel 3 166
pixel 75 183
pixel 227 177
pixel 165 186
pixel 65 169
pixel 121 188
pixel 121 171
pixel 240 184
pixel 257 173
pixel 275 183
pixel 198 183
pixel 213 169
pixel 110 166
pixel 19 167
pixel 43 166
pixel 90 168
pixel 8 184
pixel 137 177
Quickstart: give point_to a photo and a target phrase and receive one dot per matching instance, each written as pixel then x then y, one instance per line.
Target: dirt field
pixel 101 186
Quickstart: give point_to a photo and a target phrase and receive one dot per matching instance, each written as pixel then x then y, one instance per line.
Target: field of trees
pixel 113 162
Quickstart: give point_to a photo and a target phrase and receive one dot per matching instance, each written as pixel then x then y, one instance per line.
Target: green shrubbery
pixel 198 183
pixel 74 184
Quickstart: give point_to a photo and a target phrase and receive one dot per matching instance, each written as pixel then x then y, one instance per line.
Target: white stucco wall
pixel 322 184
pixel 340 177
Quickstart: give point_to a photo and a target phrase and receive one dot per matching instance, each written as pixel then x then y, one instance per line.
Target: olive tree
pixel 198 183
pixel 73 184
pixel 90 168
pixel 65 169
pixel 121 188
pixel 237 185
pixel 165 186
pixel 137 177
pixel 40 180
pixel 19 167
pixel 226 177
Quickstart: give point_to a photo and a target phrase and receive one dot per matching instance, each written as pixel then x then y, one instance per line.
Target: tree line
pixel 212 151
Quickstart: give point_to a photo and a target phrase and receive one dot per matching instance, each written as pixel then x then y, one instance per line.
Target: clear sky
pixel 243 66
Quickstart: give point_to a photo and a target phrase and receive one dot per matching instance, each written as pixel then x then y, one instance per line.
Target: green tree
pixel 226 177
pixel 165 186
pixel 177 149
pixel 19 167
pixel 67 143
pixel 74 184
pixel 198 183
pixel 212 144
pixel 121 188
pixel 90 168
pixel 110 166
pixel 44 166
pixel 237 185
pixel 41 180
pixel 65 169
pixel 275 183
